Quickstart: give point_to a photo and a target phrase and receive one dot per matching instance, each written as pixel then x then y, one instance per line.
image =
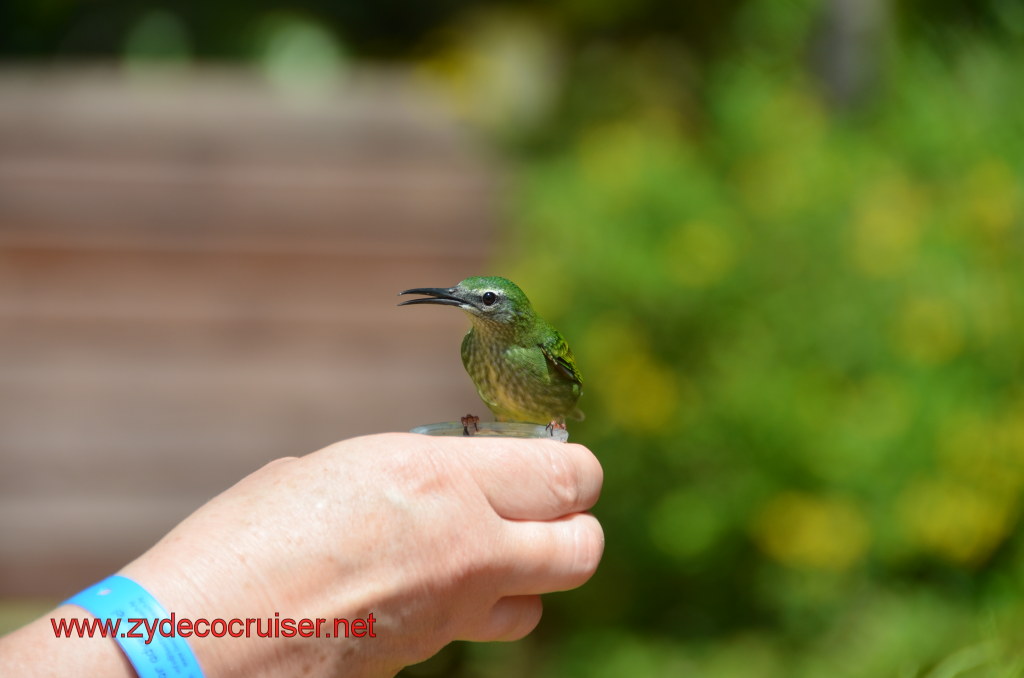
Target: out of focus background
pixel 784 239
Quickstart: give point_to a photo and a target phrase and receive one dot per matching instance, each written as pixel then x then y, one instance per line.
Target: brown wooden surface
pixel 197 277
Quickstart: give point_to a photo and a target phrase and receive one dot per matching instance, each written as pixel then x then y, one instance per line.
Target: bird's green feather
pixel 558 352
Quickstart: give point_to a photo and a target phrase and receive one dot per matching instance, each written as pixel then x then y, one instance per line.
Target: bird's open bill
pixel 434 295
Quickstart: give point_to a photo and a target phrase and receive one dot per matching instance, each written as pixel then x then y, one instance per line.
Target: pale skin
pixel 440 538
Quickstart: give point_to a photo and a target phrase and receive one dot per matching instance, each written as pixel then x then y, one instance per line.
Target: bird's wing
pixel 557 351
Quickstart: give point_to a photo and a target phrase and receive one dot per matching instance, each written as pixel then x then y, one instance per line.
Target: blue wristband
pixel 118 597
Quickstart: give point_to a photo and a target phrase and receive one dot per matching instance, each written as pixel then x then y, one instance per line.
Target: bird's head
pixel 487 298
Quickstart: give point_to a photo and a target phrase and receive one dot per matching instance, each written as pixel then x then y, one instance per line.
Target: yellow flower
pixel 636 389
pixel 886 229
pixel 640 393
pixel 812 532
pixel 992 197
pixel 956 520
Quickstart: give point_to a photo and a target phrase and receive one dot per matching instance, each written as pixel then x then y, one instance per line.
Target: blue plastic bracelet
pixel 118 597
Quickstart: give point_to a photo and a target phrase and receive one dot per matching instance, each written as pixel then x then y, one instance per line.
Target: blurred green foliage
pixel 801 334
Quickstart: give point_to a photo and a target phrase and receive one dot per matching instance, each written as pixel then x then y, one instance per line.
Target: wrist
pixel 193 591
pixel 144 630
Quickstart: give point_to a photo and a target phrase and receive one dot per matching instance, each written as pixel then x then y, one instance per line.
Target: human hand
pixel 439 538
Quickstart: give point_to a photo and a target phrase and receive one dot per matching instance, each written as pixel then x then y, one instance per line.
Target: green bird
pixel 521 366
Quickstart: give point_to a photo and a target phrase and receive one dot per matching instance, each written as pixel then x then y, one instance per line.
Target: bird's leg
pixel 467 421
pixel 555 423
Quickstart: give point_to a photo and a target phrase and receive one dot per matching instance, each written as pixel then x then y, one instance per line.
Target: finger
pixel 510 618
pixel 536 479
pixel 555 555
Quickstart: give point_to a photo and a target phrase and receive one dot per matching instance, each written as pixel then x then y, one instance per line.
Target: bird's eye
pixel 490 298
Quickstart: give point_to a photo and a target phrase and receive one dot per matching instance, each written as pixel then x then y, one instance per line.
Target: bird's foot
pixel 555 424
pixel 467 421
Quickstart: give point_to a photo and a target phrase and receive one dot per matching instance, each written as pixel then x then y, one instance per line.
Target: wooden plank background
pixel 198 276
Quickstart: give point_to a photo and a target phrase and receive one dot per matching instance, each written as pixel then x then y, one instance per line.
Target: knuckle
pixel 588 547
pixel 564 480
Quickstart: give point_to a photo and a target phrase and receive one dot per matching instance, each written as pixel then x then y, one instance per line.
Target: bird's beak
pixel 433 295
